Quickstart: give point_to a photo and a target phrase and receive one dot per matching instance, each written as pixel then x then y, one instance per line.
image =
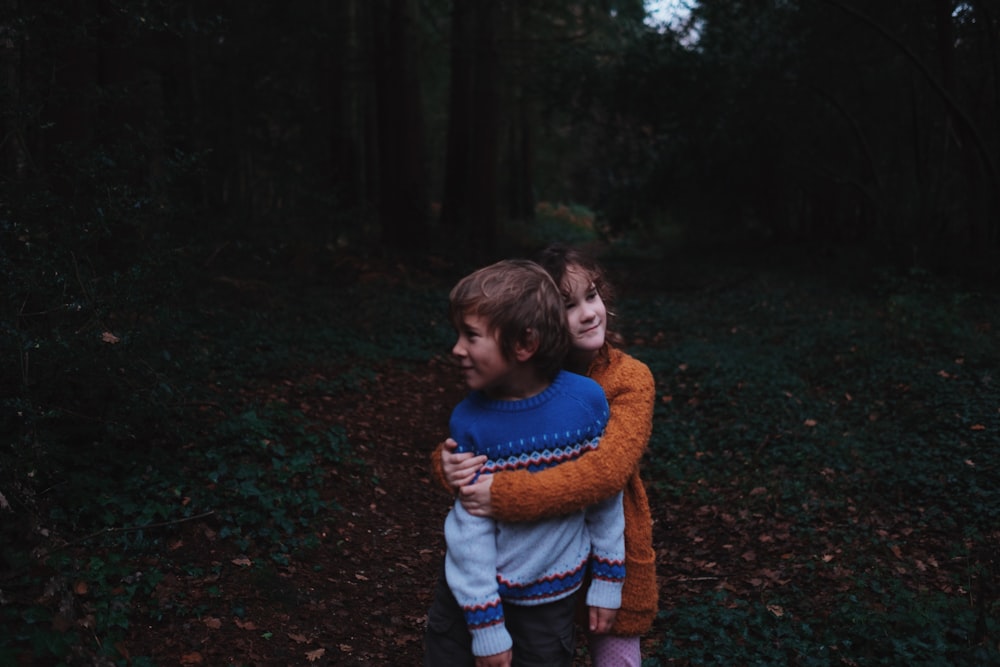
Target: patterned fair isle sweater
pixel 521 496
pixel 491 563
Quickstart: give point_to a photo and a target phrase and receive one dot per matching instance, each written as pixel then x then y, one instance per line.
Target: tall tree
pixel 13 151
pixel 519 151
pixel 834 121
pixel 469 208
pixel 349 102
pixel 404 205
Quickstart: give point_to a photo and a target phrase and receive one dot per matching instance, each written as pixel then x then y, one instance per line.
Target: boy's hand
pixel 476 497
pixel 602 619
pixel 499 660
pixel 459 469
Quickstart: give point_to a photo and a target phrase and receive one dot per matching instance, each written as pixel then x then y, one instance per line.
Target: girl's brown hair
pixel 559 259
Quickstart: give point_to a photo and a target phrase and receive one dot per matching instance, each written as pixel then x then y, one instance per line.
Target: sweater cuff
pixel 604 594
pixel 491 640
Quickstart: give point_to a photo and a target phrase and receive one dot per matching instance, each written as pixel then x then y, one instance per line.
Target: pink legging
pixel 611 651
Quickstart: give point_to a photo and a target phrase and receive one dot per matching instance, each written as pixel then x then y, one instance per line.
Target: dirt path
pixel 359 600
pixel 392 529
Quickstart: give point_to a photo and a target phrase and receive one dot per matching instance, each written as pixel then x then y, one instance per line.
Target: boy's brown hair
pixel 522 304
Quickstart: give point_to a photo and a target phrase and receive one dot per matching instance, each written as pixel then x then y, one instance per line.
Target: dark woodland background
pixel 419 125
pixel 227 230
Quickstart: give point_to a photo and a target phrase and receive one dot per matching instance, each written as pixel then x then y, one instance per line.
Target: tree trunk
pixel 403 203
pixel 520 203
pixel 14 156
pixel 347 103
pixel 469 209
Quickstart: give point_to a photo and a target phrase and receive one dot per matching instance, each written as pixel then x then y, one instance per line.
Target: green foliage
pixel 848 414
pixel 857 416
pixel 262 472
pixel 137 408
pixel 574 225
pixel 914 629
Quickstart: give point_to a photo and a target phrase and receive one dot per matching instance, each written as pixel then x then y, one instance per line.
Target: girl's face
pixel 585 312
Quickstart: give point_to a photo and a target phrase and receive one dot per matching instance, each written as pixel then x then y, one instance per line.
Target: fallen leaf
pixel 80 588
pixel 212 622
pixel 245 625
pixel 978 427
pixel 191 658
pixel 109 337
pixel 242 560
pixel 122 650
pixel 313 656
pixel 298 639
pixel 810 422
pixel 61 623
pixel 776 610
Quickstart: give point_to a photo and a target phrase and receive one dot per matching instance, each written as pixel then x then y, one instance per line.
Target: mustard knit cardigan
pixel 614 466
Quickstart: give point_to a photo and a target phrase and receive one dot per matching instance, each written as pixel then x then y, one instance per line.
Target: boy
pixel 511 587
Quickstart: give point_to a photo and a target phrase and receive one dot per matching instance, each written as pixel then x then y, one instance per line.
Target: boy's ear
pixel 527 346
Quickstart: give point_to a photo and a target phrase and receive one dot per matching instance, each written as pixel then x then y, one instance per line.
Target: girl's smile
pixel 585 312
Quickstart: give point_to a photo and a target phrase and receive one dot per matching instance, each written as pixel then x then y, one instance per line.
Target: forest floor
pixel 822 476
pixel 362 598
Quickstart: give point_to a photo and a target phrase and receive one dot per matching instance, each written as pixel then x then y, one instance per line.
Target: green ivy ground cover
pixel 841 440
pixel 823 469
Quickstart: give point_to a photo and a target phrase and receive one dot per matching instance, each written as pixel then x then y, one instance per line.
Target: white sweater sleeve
pixel 606 525
pixel 471 572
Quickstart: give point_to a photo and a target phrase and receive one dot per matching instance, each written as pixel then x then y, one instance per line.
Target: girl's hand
pixel 475 498
pixel 459 469
pixel 602 619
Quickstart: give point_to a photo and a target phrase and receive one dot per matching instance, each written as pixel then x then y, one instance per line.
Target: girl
pixel 614 466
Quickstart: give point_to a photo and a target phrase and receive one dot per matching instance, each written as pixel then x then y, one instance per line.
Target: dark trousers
pixel 543 634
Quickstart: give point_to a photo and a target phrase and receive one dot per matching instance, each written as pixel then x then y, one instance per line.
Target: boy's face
pixel 585 312
pixel 479 356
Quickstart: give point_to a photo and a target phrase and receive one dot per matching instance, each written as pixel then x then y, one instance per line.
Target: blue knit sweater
pixel 490 563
